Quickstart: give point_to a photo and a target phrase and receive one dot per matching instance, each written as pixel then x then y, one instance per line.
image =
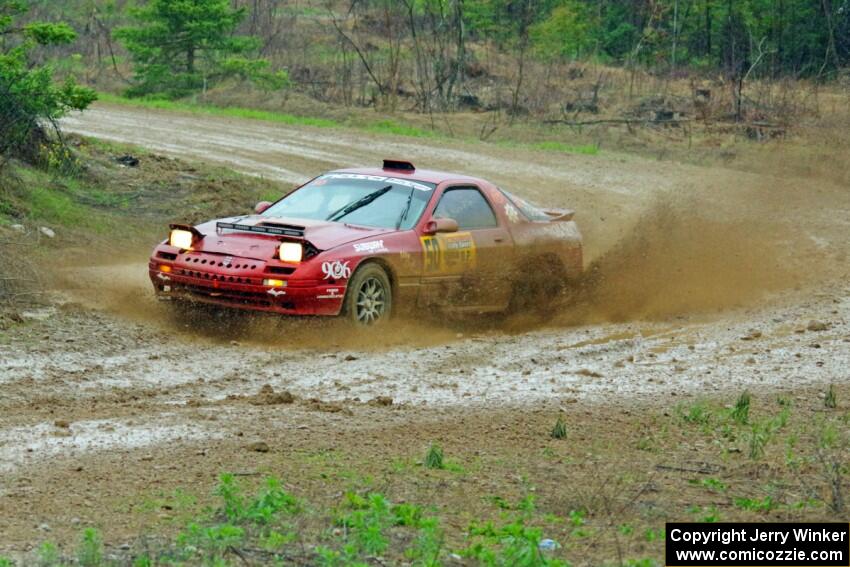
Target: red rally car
pixel 366 243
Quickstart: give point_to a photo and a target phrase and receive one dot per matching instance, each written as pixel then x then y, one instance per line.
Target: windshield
pixel 366 200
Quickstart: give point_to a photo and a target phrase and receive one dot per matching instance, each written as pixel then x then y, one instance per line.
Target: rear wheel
pixel 369 298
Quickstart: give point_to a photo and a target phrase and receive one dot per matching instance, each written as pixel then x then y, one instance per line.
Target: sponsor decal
pixel 512 213
pixel 451 253
pixel 330 293
pixel 374 246
pixel 336 270
pixel 276 292
pixel 163 277
pixel 393 180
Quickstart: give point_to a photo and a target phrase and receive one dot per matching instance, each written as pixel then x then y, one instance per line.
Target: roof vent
pixel 398 165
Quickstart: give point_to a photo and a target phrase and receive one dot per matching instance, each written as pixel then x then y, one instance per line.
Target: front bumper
pixel 240 286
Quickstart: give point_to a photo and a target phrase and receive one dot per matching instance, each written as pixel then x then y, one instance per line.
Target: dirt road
pixel 703 281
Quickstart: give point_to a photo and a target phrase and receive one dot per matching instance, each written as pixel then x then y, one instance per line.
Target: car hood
pixel 323 235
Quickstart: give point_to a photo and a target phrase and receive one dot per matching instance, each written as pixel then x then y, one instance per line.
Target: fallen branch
pixel 705 469
pixel 615 121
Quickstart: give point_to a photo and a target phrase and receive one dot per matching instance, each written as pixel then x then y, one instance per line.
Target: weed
pixel 142 561
pixel 646 443
pixel 4 562
pixel 434 457
pixel 711 484
pixel 500 502
pixel 48 554
pixel 577 518
pixel 210 541
pixel 275 540
pixel 428 544
pixel 698 414
pixel 763 431
pixel 765 504
pixel 741 411
pixel 652 535
pixel 710 515
pixel 407 515
pixel 90 550
pixel 560 429
pixel 829 400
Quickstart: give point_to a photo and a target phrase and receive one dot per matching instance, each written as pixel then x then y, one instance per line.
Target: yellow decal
pixel 450 253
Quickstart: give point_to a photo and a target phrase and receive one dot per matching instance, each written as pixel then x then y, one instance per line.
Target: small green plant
pixel 434 457
pixel 4 562
pixel 708 515
pixel 48 554
pixel 712 484
pixel 560 429
pixel 90 551
pixel 741 411
pixel 211 541
pixel 829 400
pixel 652 535
pixel 765 504
pixel 698 414
pixel 763 431
pixel 142 561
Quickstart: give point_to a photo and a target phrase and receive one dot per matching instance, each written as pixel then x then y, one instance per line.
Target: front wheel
pixel 369 298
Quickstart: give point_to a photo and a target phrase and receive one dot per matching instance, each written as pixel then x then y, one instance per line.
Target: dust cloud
pixel 674 261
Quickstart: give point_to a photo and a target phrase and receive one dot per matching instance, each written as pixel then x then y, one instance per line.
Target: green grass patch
pixel 396 129
pixel 554 146
pixel 229 112
pixel 384 126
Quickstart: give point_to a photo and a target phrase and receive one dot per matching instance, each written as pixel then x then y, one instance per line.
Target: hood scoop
pixel 273 228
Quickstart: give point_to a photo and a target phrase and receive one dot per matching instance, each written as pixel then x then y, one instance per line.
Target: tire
pixel 369 296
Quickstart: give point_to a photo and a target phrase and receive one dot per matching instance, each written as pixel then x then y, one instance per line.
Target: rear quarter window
pixel 529 211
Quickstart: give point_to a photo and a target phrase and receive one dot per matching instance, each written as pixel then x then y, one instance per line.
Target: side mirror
pixel 441 225
pixel 262 206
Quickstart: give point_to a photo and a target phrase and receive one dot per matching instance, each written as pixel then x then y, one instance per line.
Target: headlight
pixel 291 252
pixel 181 239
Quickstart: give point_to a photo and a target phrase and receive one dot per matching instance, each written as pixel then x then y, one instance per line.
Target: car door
pixel 465 269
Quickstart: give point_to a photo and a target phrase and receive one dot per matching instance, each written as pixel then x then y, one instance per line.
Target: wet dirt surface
pixel 677 303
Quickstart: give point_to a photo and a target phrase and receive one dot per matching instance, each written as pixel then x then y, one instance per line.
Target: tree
pixel 182 46
pixel 32 101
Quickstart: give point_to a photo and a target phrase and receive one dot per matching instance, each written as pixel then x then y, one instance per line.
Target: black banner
pixel 758 544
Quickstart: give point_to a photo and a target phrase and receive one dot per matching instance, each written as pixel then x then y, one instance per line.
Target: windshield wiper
pixel 406 209
pixel 358 204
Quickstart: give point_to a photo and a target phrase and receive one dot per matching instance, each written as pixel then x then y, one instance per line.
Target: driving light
pixel 274 283
pixel 181 239
pixel 291 252
pixel 164 268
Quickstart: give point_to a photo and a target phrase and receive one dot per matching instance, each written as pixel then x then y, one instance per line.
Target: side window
pixel 468 207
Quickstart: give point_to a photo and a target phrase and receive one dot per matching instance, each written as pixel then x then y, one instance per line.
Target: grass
pixel 553 146
pixel 434 457
pixel 560 429
pixel 262 528
pixel 830 401
pixel 229 112
pixel 383 127
pixel 377 513
pixel 741 411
